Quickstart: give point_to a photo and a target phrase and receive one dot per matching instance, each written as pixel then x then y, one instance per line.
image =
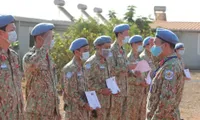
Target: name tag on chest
pixel 102 67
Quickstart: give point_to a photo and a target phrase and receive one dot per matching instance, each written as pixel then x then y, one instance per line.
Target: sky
pixel 177 10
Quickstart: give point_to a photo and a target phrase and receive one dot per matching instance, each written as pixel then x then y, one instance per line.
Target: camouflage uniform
pixel 182 63
pixel 11 98
pixel 41 95
pixel 74 85
pixel 135 91
pixel 145 55
pixel 97 73
pixel 118 107
pixel 166 91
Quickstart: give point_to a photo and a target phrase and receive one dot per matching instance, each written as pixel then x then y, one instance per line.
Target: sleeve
pixel 39 55
pixel 71 92
pixel 167 103
pixel 118 66
pixel 92 78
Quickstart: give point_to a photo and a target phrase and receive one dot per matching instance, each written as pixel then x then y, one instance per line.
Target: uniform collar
pixel 74 61
pixel 99 58
pixel 163 60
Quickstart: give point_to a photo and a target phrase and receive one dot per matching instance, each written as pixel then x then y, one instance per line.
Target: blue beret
pixel 146 40
pixel 166 35
pixel 179 45
pixel 135 39
pixel 6 19
pixel 78 43
pixel 121 28
pixel 101 40
pixel 41 28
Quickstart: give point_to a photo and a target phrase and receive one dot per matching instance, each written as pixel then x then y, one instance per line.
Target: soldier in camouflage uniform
pixel 119 102
pixel 39 70
pixel 98 69
pixel 146 55
pixel 11 98
pixel 167 85
pixel 74 82
pixel 180 49
pixel 136 81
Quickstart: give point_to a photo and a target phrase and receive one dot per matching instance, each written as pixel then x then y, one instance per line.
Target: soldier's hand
pixel 138 74
pixel 187 78
pixel 131 66
pixel 87 107
pixel 106 91
pixel 144 84
pixel 117 94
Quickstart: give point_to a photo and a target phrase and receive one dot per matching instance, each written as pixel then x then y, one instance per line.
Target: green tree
pixel 111 14
pixel 143 26
pixel 129 15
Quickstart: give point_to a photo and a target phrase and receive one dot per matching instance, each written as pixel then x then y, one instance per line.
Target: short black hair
pixel 3 28
pixel 172 46
pixel 117 34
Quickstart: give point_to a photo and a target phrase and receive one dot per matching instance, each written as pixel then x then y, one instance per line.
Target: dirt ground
pixel 190 105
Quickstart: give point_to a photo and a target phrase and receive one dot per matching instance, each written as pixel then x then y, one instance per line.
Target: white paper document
pixel 148 78
pixel 112 85
pixel 187 73
pixel 93 100
pixel 142 66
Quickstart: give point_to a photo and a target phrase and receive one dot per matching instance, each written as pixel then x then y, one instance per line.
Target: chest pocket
pixel 120 60
pixel 80 81
pixel 102 73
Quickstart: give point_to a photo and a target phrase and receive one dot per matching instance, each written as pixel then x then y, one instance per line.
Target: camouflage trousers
pixel 135 104
pixel 103 114
pixel 33 116
pixel 118 108
pixel 11 116
pixel 78 114
pixel 144 102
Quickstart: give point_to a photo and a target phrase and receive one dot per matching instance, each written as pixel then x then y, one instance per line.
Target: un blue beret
pixel 179 45
pixel 166 35
pixel 121 28
pixel 6 19
pixel 101 40
pixel 135 39
pixel 78 43
pixel 146 40
pixel 41 28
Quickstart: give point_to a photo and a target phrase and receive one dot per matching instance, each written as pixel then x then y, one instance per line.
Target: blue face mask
pixel 140 48
pixel 156 50
pixel 126 39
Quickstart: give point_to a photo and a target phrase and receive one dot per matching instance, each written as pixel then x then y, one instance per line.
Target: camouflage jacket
pixel 74 85
pixel 120 66
pixel 97 73
pixel 11 98
pixel 166 91
pixel 145 55
pixel 41 93
pixel 132 80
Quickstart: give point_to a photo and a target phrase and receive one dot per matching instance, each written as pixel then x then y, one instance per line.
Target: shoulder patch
pixel 68 75
pixel 4 66
pixel 88 66
pixel 169 74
